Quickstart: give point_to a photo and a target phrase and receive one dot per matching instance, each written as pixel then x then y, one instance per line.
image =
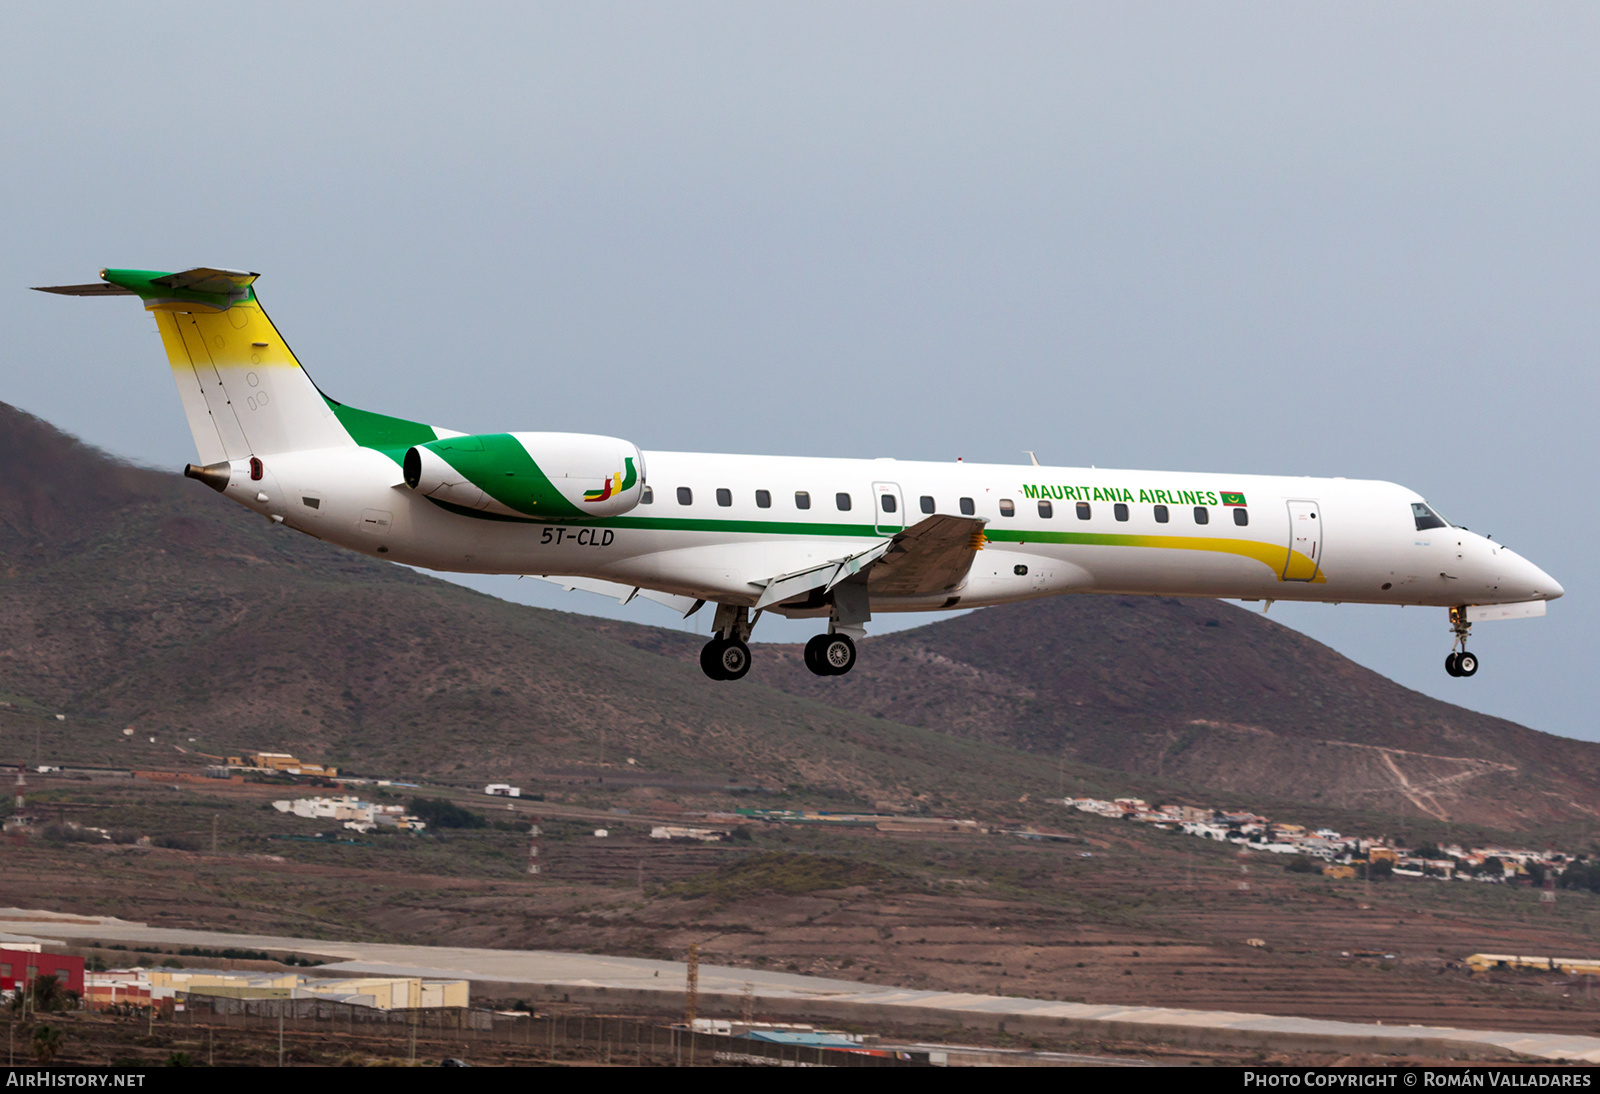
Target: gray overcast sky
pixel 1345 239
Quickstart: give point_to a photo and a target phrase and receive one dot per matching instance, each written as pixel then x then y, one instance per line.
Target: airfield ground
pixel 1120 914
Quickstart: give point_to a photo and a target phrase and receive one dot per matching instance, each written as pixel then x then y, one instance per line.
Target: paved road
pixel 577 971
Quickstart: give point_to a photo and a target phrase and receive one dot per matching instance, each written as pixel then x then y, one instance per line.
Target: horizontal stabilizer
pixel 206 279
pixel 99 288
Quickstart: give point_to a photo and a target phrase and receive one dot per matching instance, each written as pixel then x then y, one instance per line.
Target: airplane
pixel 830 539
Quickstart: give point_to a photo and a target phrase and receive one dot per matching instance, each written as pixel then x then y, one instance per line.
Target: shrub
pixel 441 813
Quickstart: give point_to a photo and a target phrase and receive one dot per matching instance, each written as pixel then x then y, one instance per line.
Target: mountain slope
pixel 1210 694
pixel 132 597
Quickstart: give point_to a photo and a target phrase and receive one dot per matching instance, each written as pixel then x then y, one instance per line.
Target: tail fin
pixel 243 391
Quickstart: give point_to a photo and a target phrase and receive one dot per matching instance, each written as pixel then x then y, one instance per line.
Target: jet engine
pixel 543 476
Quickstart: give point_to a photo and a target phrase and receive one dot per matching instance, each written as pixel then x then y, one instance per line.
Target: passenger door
pixel 1305 542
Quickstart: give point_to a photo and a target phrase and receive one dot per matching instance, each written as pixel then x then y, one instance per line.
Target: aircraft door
pixel 1305 541
pixel 888 509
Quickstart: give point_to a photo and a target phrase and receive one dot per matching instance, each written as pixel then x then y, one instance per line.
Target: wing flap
pixel 822 576
pixel 623 593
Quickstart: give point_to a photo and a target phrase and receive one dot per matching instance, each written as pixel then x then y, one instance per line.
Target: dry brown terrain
pixel 1150 918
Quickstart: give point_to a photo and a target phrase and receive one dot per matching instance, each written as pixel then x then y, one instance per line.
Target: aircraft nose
pixel 1540 584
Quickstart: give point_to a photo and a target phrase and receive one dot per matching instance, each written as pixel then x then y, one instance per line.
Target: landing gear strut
pixel 727 655
pixel 1460 662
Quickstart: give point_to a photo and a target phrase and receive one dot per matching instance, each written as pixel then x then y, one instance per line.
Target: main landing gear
pixel 830 654
pixel 727 655
pixel 834 653
pixel 1460 662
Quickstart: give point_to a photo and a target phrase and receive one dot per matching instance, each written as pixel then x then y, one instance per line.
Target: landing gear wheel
pixel 1450 664
pixel 838 654
pixel 721 659
pixel 733 659
pixel 1466 663
pixel 813 655
pixel 711 659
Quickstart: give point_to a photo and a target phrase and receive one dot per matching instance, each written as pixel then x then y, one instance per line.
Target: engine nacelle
pixel 545 476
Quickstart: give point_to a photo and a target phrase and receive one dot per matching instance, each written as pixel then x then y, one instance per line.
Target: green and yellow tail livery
pixel 243 391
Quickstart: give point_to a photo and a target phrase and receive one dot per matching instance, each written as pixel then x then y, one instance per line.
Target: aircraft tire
pixel 838 654
pixel 733 658
pixel 711 659
pixel 1450 665
pixel 1466 664
pixel 813 655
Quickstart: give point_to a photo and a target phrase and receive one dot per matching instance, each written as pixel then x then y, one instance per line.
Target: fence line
pixel 612 1039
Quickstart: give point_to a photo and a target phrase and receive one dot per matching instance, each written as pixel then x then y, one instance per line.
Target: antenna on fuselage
pixel 1031 456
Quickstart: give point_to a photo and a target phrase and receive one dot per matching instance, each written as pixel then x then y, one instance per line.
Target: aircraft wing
pixel 822 576
pixel 683 605
pixel 931 557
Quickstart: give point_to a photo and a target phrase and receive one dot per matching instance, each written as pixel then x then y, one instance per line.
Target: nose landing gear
pixel 1460 662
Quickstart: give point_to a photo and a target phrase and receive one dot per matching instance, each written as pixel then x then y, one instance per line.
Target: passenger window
pixel 927 504
pixel 1202 515
pixel 763 499
pixel 1162 515
pixel 842 501
pixel 1241 517
pixel 685 496
pixel 1120 510
pixel 1426 518
pixel 967 508
pixel 1046 510
pixel 1083 510
pixel 724 496
pixel 1007 508
pixel 648 497
pixel 802 499
pixel 889 502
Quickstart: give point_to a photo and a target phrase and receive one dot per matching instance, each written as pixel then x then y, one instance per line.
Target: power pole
pixel 691 995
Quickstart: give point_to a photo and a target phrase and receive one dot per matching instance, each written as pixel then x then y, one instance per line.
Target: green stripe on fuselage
pixel 1270 555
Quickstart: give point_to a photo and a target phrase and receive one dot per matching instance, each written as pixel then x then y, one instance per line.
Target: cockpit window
pixel 1426 518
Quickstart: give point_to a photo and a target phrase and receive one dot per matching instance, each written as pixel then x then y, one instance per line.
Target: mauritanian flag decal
pixel 1232 499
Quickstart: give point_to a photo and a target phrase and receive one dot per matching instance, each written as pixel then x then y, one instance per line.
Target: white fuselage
pixel 1305 539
